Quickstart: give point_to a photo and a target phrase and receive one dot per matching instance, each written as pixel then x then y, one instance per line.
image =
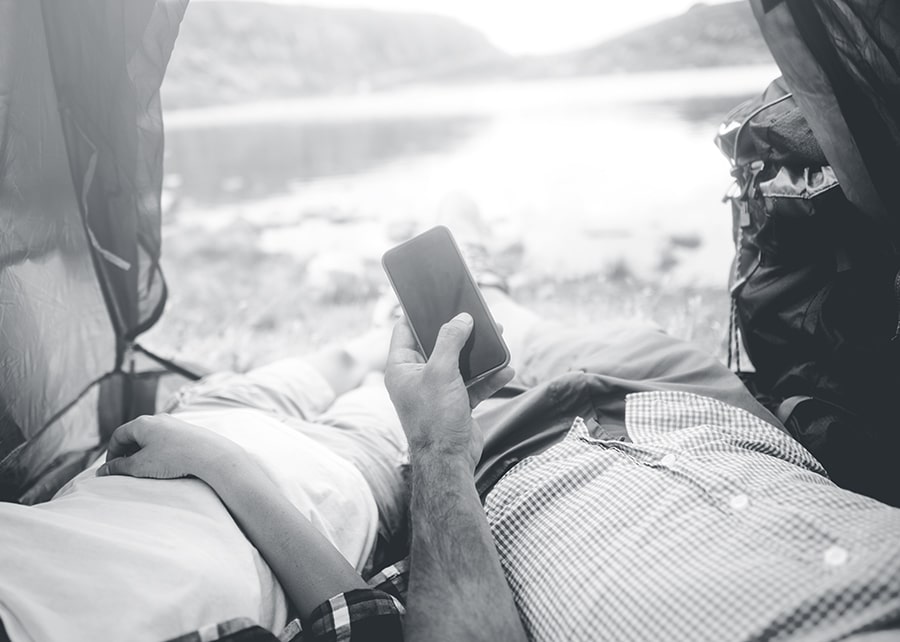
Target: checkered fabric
pixel 393 580
pixel 357 615
pixel 373 614
pixel 711 524
pixel 242 628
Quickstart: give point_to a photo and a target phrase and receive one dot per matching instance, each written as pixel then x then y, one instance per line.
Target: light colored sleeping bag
pixel 118 558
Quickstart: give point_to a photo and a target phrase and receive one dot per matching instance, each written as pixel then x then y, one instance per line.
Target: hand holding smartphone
pixel 434 284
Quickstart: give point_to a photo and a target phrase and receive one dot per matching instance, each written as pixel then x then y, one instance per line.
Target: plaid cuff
pixel 393 580
pixel 359 615
pixel 241 628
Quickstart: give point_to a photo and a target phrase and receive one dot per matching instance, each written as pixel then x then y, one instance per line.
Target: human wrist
pixel 438 482
pixel 222 465
pixel 442 452
pixel 441 463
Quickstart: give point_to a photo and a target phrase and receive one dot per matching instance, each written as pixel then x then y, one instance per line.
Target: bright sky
pixel 534 26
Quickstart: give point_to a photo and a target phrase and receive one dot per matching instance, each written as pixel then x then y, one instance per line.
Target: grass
pixel 232 306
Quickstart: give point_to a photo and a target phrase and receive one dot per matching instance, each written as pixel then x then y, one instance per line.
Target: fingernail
pixel 464 317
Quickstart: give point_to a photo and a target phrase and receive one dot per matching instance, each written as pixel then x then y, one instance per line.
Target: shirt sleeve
pixel 361 615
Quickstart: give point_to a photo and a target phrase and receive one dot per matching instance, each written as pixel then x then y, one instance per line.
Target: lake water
pixel 586 176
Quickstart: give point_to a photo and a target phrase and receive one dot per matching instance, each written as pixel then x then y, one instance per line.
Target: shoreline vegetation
pixel 233 305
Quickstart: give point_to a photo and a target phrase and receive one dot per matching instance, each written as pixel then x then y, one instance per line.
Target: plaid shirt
pixel 373 614
pixel 708 524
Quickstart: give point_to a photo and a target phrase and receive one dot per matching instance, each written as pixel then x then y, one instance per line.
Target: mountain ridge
pixel 703 36
pixel 235 51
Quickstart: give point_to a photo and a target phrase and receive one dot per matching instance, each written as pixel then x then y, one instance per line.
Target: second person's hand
pixel 164 447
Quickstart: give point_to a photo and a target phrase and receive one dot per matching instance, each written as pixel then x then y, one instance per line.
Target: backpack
pixel 815 291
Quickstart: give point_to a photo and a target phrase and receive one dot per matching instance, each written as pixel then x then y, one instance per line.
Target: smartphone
pixel 434 284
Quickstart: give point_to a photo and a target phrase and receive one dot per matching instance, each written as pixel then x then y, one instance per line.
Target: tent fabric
pixel 81 142
pixel 841 59
pixel 112 120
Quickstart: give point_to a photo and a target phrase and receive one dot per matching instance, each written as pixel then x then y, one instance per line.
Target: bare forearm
pixel 311 570
pixel 457 589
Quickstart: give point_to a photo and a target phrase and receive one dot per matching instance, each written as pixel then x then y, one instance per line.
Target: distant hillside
pixel 239 50
pixel 704 36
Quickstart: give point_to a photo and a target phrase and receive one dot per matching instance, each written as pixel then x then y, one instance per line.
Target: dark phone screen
pixel 434 285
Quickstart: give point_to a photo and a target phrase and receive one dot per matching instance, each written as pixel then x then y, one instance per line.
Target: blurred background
pixel 303 141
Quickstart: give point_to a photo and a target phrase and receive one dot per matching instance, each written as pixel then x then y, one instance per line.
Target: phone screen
pixel 434 285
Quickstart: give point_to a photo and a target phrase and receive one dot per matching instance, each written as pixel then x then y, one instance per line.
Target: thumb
pixel 117 466
pixel 127 439
pixel 450 341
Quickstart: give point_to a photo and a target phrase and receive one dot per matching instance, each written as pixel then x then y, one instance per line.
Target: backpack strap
pixel 787 407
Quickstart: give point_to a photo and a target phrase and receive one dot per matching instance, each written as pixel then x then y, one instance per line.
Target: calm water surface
pixel 588 175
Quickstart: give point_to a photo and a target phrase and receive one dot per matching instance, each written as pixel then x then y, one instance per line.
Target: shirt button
pixel 668 460
pixel 739 502
pixel 836 556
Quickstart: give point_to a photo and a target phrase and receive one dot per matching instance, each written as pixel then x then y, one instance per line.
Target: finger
pixel 488 387
pixel 450 341
pixel 117 466
pixel 404 348
pixel 126 439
